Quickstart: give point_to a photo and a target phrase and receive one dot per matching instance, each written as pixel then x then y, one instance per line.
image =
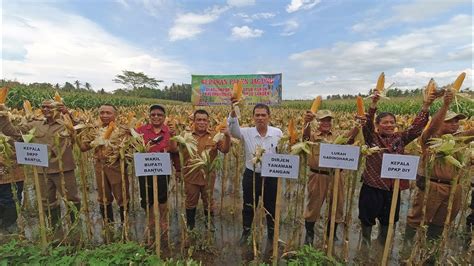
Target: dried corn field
pixel 220 247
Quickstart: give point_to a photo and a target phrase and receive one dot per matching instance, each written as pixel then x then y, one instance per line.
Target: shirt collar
pixel 164 128
pixel 269 132
pixel 319 133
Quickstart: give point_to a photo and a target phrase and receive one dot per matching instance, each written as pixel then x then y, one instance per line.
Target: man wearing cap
pixel 196 185
pixel 443 122
pixel 262 136
pixel 157 135
pixel 107 163
pixel 320 178
pixel 51 177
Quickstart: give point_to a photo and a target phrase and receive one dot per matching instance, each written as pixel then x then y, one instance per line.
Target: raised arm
pixel 368 129
pixel 438 118
pixel 224 144
pixel 420 121
pixel 308 117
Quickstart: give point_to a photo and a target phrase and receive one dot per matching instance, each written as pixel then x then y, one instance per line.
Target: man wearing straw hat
pixel 443 122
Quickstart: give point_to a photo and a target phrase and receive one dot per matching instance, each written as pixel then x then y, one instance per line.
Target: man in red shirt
pixel 157 135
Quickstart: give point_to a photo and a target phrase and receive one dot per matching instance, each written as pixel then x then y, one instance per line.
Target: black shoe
pixel 191 218
pixel 309 237
pixel 245 236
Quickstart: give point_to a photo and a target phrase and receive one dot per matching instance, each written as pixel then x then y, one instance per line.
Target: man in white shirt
pixel 266 137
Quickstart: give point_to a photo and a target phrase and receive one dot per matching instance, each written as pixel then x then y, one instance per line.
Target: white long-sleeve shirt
pixel 252 138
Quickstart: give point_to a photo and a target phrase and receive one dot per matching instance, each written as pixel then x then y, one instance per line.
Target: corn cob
pixel 237 92
pixel 380 83
pixel 109 130
pixel 3 95
pixel 292 131
pixel 360 106
pixel 57 97
pixel 27 107
pixel 459 80
pixel 316 104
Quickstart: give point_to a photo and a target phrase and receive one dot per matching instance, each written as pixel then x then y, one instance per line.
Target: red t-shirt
pixel 149 134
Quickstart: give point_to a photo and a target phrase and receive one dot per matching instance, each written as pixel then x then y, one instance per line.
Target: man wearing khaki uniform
pixel 443 122
pixel 107 163
pixel 320 178
pixel 195 183
pixel 55 178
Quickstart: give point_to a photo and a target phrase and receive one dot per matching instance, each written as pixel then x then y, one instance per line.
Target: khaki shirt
pixel 110 153
pixel 204 142
pixel 440 169
pixel 45 134
pixel 313 160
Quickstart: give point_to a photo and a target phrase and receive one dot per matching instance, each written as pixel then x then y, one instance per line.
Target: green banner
pixel 217 89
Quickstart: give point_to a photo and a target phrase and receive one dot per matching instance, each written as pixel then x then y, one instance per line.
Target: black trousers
pixel 6 194
pixel 146 184
pixel 269 198
pixel 375 203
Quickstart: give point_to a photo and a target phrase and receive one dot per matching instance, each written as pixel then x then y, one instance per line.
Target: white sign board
pixel 150 164
pixel 399 166
pixel 31 154
pixel 280 165
pixel 339 156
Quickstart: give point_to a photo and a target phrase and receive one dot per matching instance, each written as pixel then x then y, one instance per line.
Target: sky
pixel 321 47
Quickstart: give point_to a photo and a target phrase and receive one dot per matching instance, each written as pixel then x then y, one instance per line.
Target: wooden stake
pixel 85 206
pixel 156 213
pixel 337 175
pixel 276 234
pixel 44 242
pixel 124 194
pixel 388 240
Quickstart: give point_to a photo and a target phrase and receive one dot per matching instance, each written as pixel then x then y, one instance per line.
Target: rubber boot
pixel 122 214
pixel 191 218
pixel 410 233
pixel 366 234
pixel 245 237
pixel 56 224
pixel 309 237
pixel 9 218
pixel 382 234
pixel 213 227
pixel 434 231
pixel 164 223
pixel 328 231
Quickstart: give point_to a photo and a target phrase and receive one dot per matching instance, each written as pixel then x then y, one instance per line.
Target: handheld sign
pixel 339 156
pixel 399 166
pixel 150 164
pixel 280 165
pixel 32 154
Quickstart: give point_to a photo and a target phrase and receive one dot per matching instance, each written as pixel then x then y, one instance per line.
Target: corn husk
pixel 57 98
pixel 316 104
pixel 237 91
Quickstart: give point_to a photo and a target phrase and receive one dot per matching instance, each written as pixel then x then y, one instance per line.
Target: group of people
pixel 379 130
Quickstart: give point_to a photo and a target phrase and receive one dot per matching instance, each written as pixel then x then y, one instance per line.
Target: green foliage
pixel 309 256
pixel 18 253
pixel 36 93
pixel 397 105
